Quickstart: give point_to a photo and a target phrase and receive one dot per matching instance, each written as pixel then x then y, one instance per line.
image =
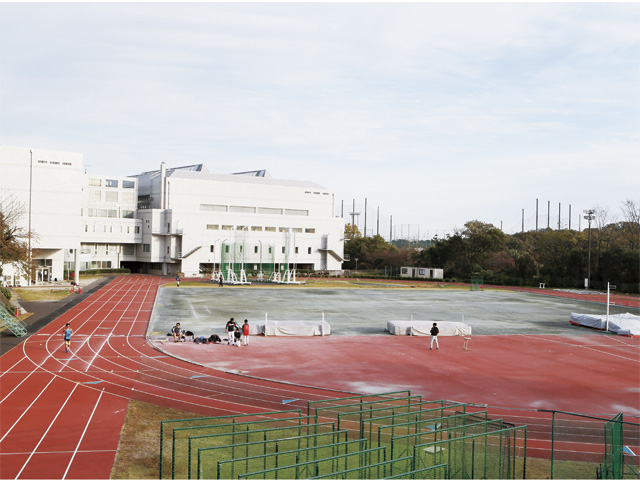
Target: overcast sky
pixel 437 113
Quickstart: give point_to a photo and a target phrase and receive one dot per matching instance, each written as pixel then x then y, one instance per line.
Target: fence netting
pixel 393 435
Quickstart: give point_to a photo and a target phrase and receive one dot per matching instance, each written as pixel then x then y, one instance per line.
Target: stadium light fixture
pixel 590 216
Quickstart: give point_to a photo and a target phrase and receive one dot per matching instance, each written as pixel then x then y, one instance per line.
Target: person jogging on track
pixel 66 333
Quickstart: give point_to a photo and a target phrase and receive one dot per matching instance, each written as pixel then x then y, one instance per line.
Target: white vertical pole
pixel 607 329
pixel 323 324
pixel 411 326
pixel 265 324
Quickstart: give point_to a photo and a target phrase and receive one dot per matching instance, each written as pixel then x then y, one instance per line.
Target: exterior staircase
pixel 13 324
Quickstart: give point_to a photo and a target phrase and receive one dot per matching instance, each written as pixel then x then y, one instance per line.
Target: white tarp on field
pixel 417 327
pixel 300 328
pixel 622 324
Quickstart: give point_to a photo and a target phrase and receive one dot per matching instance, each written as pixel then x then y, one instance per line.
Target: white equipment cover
pixel 296 328
pixel 622 324
pixel 416 327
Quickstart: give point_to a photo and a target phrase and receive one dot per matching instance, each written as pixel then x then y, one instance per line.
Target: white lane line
pixel 47 431
pixel 27 409
pixel 83 433
pixel 12 367
pixel 9 454
pixel 17 386
pixel 594 347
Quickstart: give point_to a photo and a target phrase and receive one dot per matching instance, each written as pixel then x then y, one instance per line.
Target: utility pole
pixel 590 216
pixel 365 218
pixel 523 220
pixel 353 215
pixel 536 214
pixel 548 214
pixel 559 217
pixel 378 223
pixel 30 273
pixel 569 216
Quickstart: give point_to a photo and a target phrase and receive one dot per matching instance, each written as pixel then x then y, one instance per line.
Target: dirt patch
pixel 139 448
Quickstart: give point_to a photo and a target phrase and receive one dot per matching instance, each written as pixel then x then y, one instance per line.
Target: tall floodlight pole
pixel 353 215
pixel 365 217
pixel 569 216
pixel 590 216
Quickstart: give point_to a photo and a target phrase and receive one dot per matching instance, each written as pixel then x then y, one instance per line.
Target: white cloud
pixel 476 108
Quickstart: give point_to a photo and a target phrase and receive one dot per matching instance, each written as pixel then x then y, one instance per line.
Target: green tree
pixel 351 232
pixel 371 252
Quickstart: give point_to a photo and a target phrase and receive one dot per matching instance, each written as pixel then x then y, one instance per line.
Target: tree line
pixel 558 258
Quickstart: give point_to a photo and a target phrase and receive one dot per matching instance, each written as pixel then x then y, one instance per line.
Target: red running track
pixel 61 414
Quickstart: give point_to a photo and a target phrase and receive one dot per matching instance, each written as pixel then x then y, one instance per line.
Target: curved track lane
pixel 62 413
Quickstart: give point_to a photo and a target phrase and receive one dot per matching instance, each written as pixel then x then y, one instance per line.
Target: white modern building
pixel 174 220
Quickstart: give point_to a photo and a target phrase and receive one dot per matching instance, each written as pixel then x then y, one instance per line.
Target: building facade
pixel 422 272
pixel 179 220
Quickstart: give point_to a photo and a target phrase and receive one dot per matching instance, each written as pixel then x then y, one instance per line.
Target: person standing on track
pixel 434 336
pixel 178 280
pixel 220 280
pixel 231 328
pixel 238 335
pixel 245 332
pixel 66 333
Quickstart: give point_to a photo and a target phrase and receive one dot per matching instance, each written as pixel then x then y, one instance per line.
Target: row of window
pixel 260 229
pixel 112 228
pixel 96 196
pixel 110 183
pixel 108 213
pixel 256 249
pixel 100 264
pixel 104 249
pixel 259 210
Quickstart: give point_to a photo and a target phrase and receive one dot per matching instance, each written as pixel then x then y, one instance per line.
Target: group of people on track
pixel 236 334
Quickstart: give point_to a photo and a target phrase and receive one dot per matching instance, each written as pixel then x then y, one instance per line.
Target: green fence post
pixel 553 436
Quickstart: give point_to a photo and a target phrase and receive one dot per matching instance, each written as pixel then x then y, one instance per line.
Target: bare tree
pixel 605 228
pixel 14 237
pixel 631 224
